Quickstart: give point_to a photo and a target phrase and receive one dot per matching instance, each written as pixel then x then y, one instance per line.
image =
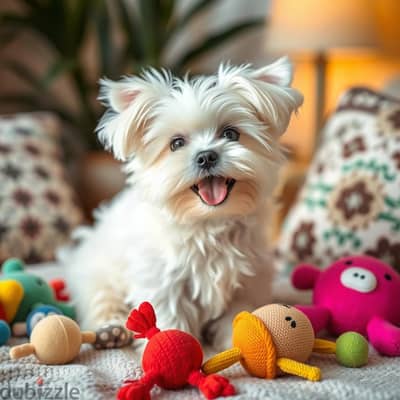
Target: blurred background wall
pixel 377 69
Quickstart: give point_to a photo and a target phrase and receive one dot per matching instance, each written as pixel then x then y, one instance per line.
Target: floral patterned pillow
pixel 38 208
pixel 350 202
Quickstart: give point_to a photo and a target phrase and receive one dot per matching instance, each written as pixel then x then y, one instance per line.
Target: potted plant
pixel 128 35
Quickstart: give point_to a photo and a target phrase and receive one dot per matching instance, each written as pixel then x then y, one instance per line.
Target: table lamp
pixel 316 27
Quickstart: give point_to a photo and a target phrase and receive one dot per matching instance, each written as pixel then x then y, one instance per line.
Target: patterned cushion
pixel 350 202
pixel 37 205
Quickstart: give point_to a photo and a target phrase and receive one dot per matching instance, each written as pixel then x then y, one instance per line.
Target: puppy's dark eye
pixel 176 143
pixel 231 134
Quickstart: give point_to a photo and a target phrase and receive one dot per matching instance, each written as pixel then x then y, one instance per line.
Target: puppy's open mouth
pixel 213 190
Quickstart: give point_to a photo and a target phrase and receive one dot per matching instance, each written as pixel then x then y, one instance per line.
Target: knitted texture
pixel 171 359
pixel 256 345
pixel 174 355
pixel 212 386
pixel 143 321
pixel 355 293
pixel 324 346
pixel 222 361
pixel 299 369
pixel 349 202
pixel 38 208
pixel 11 295
pixel 291 330
pixel 98 374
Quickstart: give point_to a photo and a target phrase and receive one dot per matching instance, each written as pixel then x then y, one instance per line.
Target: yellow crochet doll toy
pixel 272 340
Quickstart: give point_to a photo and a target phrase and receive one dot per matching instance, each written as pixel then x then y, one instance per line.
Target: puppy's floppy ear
pixel 267 90
pixel 280 72
pixel 118 95
pixel 131 105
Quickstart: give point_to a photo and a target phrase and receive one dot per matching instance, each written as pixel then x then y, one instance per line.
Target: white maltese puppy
pixel 188 233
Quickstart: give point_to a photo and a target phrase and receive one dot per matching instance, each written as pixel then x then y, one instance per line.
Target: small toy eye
pixel 288 318
pixel 293 324
pixel 388 277
pixel 348 262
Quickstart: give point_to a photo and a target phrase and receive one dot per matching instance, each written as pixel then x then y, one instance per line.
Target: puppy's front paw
pixel 112 336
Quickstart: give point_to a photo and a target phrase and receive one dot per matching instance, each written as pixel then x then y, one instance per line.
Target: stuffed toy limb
pixel 272 340
pixel 22 294
pixel 11 294
pixel 5 332
pixel 171 359
pixel 59 288
pixel 278 339
pixel 55 340
pixel 358 294
pixel 35 291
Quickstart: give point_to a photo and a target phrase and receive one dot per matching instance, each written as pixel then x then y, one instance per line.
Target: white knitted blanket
pixel 97 374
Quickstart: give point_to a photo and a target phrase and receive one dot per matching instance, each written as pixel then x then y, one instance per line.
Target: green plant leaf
pixel 150 26
pixel 22 72
pixel 8 35
pixel 14 21
pixel 216 40
pixel 79 13
pixel 27 101
pixel 129 24
pixel 107 54
pixel 34 3
pixel 178 25
pixel 30 102
pixel 55 70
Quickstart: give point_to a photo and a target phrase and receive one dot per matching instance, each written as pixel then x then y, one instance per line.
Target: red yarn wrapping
pixel 212 386
pixel 171 359
pixel 137 389
pixel 143 321
pixel 134 391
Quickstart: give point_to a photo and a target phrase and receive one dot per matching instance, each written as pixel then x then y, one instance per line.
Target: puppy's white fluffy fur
pixel 158 240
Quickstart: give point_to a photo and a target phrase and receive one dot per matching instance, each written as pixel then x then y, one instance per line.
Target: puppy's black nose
pixel 207 159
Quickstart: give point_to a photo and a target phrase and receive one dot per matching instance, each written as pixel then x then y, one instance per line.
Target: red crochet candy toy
pixel 171 360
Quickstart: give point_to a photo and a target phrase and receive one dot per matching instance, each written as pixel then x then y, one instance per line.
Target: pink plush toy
pixel 357 293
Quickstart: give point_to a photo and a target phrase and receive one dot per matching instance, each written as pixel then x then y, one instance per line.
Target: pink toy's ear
pixel 304 276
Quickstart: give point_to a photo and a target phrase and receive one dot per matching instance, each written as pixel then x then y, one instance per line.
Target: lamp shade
pixel 316 26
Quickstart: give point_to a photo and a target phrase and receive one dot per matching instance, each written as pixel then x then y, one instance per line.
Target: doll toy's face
pixel 290 329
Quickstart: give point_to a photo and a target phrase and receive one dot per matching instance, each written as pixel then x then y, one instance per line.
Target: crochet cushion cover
pixel 37 205
pixel 350 201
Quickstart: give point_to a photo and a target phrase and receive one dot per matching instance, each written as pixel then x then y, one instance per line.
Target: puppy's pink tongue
pixel 213 190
